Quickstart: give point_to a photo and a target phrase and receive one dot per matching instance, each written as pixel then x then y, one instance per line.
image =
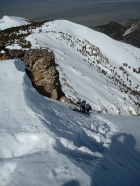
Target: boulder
pixel 40 67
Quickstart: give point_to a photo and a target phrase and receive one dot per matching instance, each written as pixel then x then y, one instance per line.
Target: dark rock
pixel 2 45
pixel 16 53
pixel 11 54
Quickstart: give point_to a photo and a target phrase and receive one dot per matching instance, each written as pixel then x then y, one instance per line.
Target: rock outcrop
pixel 11 54
pixel 2 45
pixel 16 53
pixel 4 56
pixel 40 67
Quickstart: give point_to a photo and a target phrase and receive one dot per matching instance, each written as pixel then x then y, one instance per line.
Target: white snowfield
pixel 12 21
pixel 44 142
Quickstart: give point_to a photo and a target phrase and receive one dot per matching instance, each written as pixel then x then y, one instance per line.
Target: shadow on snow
pixel 120 164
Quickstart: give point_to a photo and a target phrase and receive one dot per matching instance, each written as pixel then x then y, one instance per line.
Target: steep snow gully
pixel 44 142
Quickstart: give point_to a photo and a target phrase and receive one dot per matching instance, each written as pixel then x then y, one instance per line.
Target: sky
pixel 83 12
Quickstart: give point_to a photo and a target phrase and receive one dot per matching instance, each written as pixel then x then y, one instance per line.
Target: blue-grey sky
pixel 86 12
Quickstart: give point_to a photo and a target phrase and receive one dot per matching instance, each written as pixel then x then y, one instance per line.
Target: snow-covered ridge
pixel 91 65
pixel 12 21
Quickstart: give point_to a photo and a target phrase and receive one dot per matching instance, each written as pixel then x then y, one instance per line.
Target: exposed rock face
pixel 4 56
pixel 11 54
pixel 40 67
pixel 16 53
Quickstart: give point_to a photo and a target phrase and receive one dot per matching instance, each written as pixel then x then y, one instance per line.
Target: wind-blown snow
pixel 44 142
pixel 12 21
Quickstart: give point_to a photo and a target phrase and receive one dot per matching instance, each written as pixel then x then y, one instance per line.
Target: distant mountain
pixel 127 31
pixel 91 65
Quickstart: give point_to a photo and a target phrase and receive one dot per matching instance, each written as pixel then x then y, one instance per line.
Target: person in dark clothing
pixel 87 107
pixel 83 106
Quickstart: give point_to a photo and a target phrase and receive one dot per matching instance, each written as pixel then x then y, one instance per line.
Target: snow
pixel 12 21
pixel 44 142
pixel 80 69
pixel 2 51
pixel 81 57
pixel 14 46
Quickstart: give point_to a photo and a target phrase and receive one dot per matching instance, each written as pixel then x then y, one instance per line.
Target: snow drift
pixel 45 142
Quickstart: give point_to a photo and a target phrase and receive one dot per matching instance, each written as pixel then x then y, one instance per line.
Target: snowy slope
pixel 82 55
pixel 12 21
pixel 44 142
pixel 92 66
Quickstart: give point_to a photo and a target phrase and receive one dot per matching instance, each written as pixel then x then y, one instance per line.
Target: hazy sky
pixel 85 12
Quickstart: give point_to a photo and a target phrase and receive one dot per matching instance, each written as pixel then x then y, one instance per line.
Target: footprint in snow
pixel 57 171
pixel 104 167
pixel 119 163
pixel 117 153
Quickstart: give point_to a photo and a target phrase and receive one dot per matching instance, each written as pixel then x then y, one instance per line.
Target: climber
pixel 83 106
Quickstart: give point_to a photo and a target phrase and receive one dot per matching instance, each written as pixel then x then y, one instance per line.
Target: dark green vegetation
pixel 17 34
pixel 120 80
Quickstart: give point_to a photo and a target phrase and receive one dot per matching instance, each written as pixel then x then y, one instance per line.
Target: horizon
pixel 89 14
